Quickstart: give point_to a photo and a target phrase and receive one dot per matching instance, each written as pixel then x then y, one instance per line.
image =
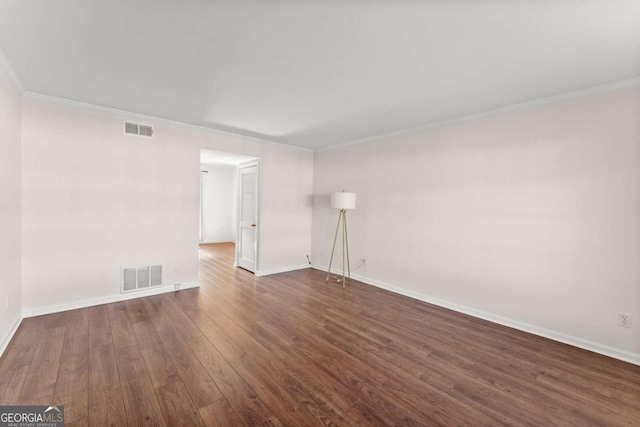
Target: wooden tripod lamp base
pixel 342 201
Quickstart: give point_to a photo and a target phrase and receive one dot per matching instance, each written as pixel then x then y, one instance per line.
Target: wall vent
pixel 146 131
pixel 142 277
pixel 138 129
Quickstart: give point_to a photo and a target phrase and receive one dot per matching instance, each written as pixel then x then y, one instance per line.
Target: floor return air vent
pixel 142 277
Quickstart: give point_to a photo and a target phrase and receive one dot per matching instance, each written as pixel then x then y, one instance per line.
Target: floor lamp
pixel 342 201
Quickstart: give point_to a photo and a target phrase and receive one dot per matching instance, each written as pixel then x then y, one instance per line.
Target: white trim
pixel 222 165
pixel 262 273
pixel 211 130
pixel 105 300
pixel 595 347
pixel 10 335
pixel 206 242
pixel 5 66
pixel 609 87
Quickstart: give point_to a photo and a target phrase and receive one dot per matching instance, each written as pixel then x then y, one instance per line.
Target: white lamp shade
pixel 343 200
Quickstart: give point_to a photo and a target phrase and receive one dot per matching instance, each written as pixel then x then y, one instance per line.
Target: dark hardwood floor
pixel 292 349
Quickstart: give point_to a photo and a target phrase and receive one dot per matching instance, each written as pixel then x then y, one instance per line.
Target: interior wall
pixel 530 216
pixel 10 206
pixel 96 200
pixel 219 188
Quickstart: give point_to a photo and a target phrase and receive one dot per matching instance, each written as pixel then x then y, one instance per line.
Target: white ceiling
pixel 317 73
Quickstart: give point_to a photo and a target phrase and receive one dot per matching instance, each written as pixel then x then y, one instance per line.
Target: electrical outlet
pixel 624 320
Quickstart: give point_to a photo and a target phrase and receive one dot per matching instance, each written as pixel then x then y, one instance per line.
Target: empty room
pixel 300 212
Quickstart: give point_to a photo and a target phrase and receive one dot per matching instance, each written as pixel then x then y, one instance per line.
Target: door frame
pixel 238 215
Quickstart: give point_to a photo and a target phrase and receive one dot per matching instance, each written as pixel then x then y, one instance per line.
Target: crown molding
pixel 144 117
pixel 5 66
pixel 609 87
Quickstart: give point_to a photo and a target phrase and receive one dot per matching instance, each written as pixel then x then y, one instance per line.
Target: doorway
pixel 229 185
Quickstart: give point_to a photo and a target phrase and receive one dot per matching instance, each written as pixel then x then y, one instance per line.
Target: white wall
pixel 531 217
pixel 219 187
pixel 9 206
pixel 96 200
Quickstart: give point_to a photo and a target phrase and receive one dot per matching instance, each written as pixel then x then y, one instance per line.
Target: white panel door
pixel 248 217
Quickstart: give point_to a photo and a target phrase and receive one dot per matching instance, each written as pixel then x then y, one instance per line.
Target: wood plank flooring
pixel 294 350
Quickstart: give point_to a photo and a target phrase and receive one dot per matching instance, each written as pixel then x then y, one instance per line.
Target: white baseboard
pixel 595 347
pixel 9 336
pixel 261 273
pixel 206 242
pixel 105 300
